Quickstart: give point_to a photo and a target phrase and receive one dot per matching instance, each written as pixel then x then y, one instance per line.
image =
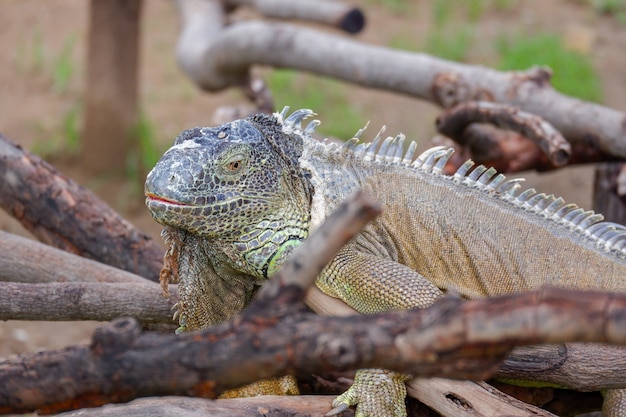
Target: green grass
pixel 149 151
pixel 63 67
pixel 30 55
pixel 63 138
pixel 573 72
pixel 450 43
pixel 328 98
pixel 452 33
pixel 394 6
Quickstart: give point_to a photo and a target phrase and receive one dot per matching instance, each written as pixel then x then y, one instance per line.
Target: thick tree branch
pixel 28 261
pixel 216 57
pixel 331 13
pixel 455 121
pixel 64 301
pixel 451 339
pixel 579 366
pixel 65 215
pixel 509 151
pixel 261 406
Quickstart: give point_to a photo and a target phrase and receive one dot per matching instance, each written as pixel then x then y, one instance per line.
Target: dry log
pixel 454 122
pixel 28 261
pixel 65 301
pixel 609 197
pixel 332 13
pixel 509 151
pixel 579 366
pixel 61 213
pixel 470 399
pixel 217 57
pixel 261 406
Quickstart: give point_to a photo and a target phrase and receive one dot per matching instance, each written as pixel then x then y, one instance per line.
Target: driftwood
pixel 275 336
pixel 27 261
pixel 61 213
pixel 583 367
pixel 332 13
pixel 65 301
pixel 262 406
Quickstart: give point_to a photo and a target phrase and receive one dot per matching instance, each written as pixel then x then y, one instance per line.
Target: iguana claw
pixel 376 393
pixel 338 409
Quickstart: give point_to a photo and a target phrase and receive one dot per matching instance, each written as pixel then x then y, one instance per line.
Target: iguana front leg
pixel 614 404
pixel 372 284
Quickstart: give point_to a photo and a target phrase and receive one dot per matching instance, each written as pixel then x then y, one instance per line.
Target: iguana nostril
pixel 172 179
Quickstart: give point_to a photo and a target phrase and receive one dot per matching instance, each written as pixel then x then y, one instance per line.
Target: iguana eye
pixel 234 166
pixel 235 163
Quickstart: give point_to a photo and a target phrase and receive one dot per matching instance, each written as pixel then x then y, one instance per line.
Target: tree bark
pixel 65 301
pixel 455 121
pixel 331 13
pixel 261 406
pixel 52 265
pixel 111 101
pixel 61 213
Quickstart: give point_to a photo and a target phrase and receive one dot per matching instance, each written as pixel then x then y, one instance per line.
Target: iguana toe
pixel 376 393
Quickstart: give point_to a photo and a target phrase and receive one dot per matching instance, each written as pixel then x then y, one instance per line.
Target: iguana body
pixel 238 198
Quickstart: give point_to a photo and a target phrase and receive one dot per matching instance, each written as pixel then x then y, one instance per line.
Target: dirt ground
pixel 35 33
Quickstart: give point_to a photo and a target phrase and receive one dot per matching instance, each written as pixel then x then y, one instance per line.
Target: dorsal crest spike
pixel 360 132
pixel 310 128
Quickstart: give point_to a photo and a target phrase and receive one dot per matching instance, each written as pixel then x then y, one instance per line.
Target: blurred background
pixel 44 90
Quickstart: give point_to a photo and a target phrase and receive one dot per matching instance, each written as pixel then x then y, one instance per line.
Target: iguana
pixel 236 199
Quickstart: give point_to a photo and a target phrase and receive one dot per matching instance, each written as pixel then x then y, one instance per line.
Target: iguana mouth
pixel 158 199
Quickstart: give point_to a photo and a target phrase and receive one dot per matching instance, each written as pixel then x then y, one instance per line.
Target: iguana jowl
pixel 237 198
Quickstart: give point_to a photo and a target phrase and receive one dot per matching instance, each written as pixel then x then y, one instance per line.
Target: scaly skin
pixel 238 198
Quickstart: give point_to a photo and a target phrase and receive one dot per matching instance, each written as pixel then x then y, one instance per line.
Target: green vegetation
pixel 450 43
pixel 325 96
pixel 30 55
pixel 448 39
pixel 573 72
pixel 64 138
pixel 63 67
pixel 148 149
pixel 395 6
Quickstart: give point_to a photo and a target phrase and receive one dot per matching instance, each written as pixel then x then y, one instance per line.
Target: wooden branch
pixel 451 339
pixel 217 57
pixel 609 197
pixel 28 261
pixel 454 122
pixel 64 301
pixel 470 399
pixel 580 366
pixel 266 405
pixel 509 151
pixel 61 213
pixel 331 13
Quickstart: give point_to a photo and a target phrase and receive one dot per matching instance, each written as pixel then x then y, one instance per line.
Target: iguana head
pixel 214 181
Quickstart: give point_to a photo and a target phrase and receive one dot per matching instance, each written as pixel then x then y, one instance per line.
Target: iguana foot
pixel 376 393
pixel 614 403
